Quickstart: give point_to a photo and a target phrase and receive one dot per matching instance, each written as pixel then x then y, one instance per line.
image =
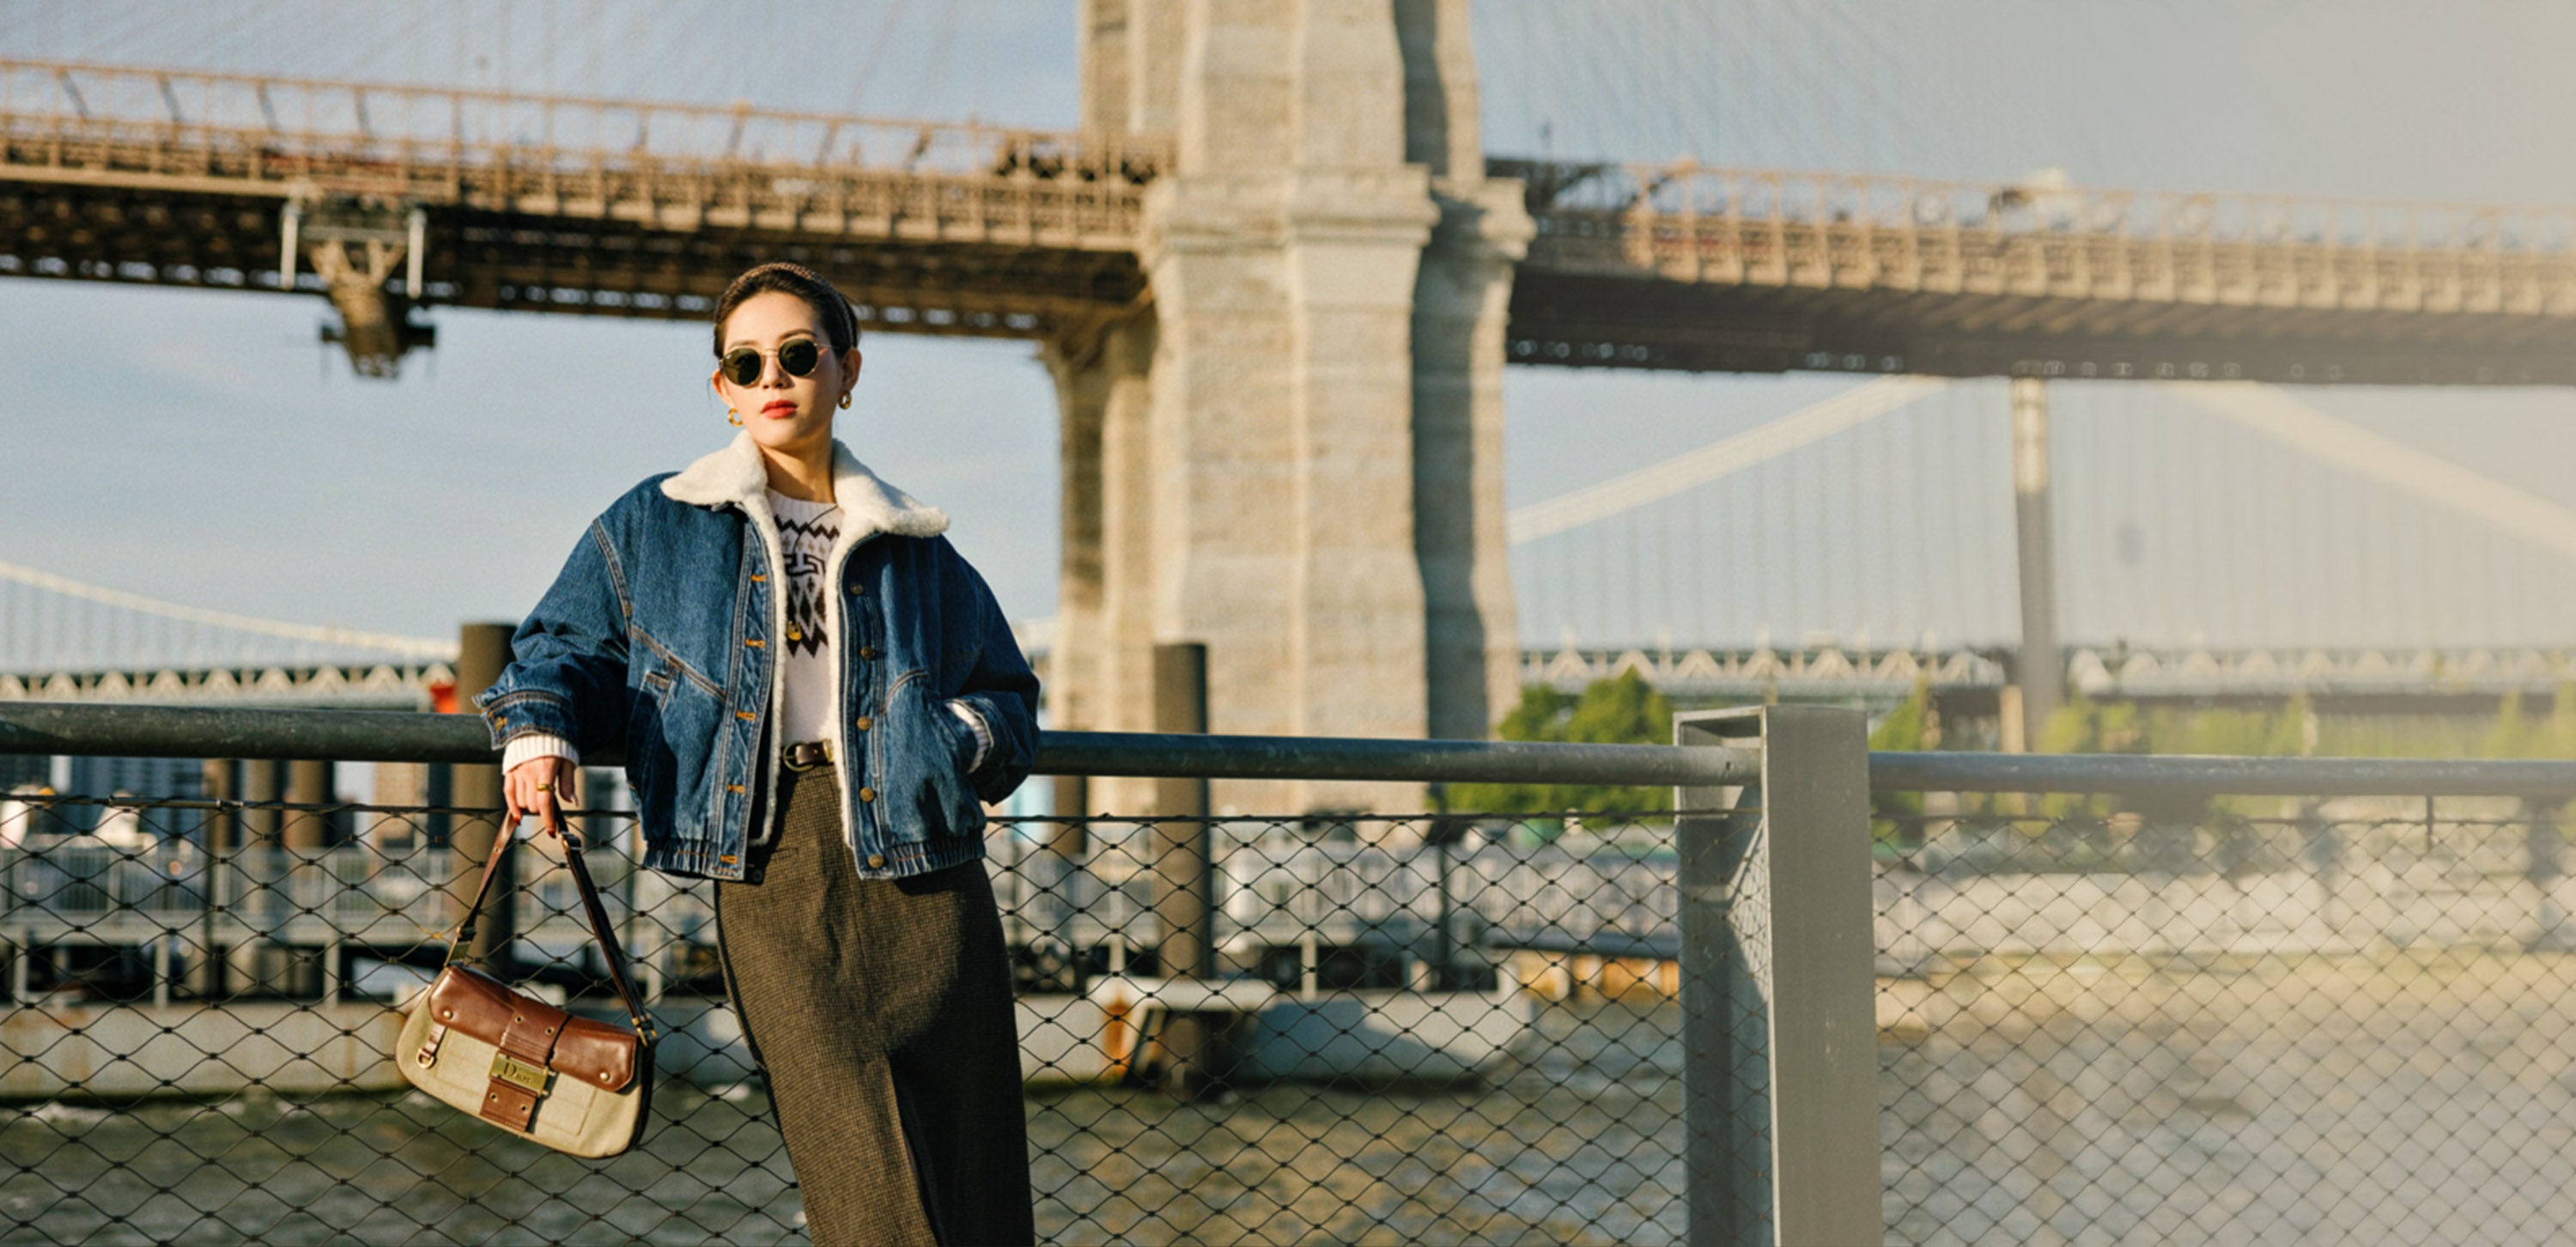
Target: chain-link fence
pixel 2241 1019
pixel 2171 1015
pixel 1455 1029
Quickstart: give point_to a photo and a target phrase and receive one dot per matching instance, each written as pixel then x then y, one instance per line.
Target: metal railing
pixel 2237 999
pixel 1419 1026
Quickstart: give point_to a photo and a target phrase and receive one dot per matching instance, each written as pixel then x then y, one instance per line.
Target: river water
pixel 1577 1142
pixel 2382 1098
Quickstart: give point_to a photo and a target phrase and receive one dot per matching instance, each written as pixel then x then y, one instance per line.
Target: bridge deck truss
pixel 566 204
pixel 636 208
pixel 1692 267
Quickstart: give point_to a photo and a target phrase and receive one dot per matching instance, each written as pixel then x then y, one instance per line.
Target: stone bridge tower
pixel 1292 451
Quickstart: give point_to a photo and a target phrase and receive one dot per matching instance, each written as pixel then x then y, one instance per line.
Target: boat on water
pixel 1336 963
pixel 1107 1031
pixel 1367 1035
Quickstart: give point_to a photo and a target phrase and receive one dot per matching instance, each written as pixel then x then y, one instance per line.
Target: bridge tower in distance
pixel 1291 451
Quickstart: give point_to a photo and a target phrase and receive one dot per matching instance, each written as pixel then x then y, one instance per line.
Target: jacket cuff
pixel 983 734
pixel 538 745
pixel 522 711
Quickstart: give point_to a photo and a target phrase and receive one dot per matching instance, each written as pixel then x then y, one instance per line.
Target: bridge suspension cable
pixel 316 634
pixel 2332 439
pixel 1718 459
pixel 2192 514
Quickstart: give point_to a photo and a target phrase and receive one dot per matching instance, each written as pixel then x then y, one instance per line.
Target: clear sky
pixel 202 447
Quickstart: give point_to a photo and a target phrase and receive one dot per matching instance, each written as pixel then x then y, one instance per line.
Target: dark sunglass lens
pixel 742 366
pixel 799 357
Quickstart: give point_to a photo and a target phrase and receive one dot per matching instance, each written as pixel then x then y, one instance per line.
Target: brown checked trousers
pixel 880 1013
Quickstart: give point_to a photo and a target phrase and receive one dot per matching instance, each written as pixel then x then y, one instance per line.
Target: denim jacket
pixel 657 638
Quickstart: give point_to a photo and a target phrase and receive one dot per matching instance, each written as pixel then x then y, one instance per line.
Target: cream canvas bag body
pixel 576 1085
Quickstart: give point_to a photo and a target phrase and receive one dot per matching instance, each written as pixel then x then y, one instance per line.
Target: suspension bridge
pixel 1275 271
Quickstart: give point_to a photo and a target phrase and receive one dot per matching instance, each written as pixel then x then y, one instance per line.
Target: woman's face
pixel 785 412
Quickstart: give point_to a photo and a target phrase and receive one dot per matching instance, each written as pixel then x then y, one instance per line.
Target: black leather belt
pixel 805 755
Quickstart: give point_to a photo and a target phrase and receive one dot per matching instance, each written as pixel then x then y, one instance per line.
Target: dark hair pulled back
pixel 840 323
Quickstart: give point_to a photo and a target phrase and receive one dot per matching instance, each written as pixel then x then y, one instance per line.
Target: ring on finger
pixel 545 787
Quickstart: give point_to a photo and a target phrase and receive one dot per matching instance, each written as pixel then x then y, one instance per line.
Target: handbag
pixel 573 1084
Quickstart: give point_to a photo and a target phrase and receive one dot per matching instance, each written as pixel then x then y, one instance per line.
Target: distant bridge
pixel 1824 672
pixel 354 686
pixel 1831 672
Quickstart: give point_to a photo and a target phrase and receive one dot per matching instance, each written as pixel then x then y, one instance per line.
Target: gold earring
pixel 845 400
pixel 733 417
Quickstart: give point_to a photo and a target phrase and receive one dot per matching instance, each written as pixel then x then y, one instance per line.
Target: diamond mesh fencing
pixel 1412 1029
pixel 2251 1020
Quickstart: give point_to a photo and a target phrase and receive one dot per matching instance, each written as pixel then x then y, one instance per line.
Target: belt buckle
pixel 806 755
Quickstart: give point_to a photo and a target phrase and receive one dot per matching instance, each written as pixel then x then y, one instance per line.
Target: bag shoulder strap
pixel 613 952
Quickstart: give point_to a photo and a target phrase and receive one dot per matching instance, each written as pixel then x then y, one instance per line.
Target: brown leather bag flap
pixel 474 1003
pixel 597 1053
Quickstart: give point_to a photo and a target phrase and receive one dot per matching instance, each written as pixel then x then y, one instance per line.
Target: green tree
pixel 2558 731
pixel 1906 729
pixel 2289 735
pixel 2512 736
pixel 1909 725
pixel 1540 716
pixel 1624 710
pixel 2088 726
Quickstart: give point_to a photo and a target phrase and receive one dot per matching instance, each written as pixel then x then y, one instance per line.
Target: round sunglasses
pixel 798 358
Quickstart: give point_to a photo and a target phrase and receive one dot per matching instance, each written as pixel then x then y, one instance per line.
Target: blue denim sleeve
pixel 1000 686
pixel 567 672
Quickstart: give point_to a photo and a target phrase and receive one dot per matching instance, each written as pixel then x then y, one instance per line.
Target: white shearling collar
pixel 735 475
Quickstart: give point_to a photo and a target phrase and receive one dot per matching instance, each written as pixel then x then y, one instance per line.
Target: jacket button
pixel 876 861
pixel 854 590
pixel 864 723
pixel 867 794
pixel 867 651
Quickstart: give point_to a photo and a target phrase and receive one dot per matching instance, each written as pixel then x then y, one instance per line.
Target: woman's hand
pixel 541 786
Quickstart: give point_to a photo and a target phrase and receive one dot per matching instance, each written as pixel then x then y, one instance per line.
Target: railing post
pixel 206 970
pixel 1184 866
pixel 482 651
pixel 257 962
pixel 1779 1024
pixel 1065 856
pixel 1184 873
pixel 304 840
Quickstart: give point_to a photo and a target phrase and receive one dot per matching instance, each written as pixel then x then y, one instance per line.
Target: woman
pixel 813 693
